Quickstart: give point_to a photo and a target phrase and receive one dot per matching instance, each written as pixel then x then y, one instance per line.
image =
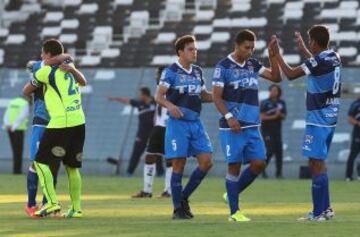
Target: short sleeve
pixel 42 75
pixel 258 67
pixel 167 78
pixel 353 109
pixel 135 103
pixel 219 76
pixel 310 65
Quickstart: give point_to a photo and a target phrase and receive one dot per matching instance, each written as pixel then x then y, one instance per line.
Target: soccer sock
pixel 232 189
pixel 149 173
pixel 46 182
pixel 74 187
pixel 44 201
pixel 32 184
pixel 246 178
pixel 168 173
pixel 195 179
pixel 318 184
pixel 176 189
pixel 326 192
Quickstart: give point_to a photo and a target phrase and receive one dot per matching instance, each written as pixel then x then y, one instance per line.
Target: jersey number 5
pixel 73 89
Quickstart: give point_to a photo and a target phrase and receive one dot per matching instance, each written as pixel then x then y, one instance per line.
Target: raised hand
pixel 299 40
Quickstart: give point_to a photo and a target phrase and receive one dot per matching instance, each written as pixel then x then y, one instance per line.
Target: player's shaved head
pixel 53 47
pixel 320 34
pixel 181 42
pixel 245 35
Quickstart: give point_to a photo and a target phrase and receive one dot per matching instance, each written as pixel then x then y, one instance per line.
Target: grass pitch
pixel 108 209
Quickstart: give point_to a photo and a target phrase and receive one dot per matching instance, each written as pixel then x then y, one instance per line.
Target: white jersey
pixel 161 116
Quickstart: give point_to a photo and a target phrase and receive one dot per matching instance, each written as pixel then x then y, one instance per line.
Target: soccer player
pixel 40 120
pixel 272 113
pixel 354 119
pixel 146 107
pixel 182 90
pixel 64 136
pixel 155 151
pixel 235 91
pixel 323 70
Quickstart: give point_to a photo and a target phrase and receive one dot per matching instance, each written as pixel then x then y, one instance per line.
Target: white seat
pixel 53 16
pixel 90 60
pixel 292 58
pixel 349 4
pixel 298 124
pixel 219 37
pixel 344 36
pixel 347 51
pixel 203 44
pixel 224 22
pixel 240 5
pixel 68 38
pixel 4 32
pixel 268 2
pixel 104 30
pixel 292 14
pixel 89 8
pixel 123 2
pixel 50 31
pixel 206 3
pixel 204 15
pixel 260 44
pixel 173 11
pixel 165 38
pixel 30 8
pixel 294 5
pixel 338 13
pixel 163 60
pixel 2 52
pixel 15 39
pixel 72 3
pixel 110 53
pixel 249 22
pixel 203 29
pixel 70 24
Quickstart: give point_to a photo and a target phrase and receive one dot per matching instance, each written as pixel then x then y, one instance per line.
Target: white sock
pixel 149 174
pixel 168 173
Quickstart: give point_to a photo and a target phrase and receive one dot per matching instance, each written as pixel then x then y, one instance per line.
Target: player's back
pixel 62 97
pixel 323 88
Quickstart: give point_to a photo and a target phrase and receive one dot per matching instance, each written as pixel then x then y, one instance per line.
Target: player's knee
pixel 258 166
pixel 206 166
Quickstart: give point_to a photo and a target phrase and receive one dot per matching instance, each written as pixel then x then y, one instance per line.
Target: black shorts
pixel 64 144
pixel 157 141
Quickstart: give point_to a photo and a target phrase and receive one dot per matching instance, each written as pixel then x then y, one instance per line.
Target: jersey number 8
pixel 336 85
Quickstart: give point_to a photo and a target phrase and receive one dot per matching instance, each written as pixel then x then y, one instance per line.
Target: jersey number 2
pixel 72 86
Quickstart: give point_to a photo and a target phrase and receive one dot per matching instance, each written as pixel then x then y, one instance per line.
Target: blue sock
pixel 176 189
pixel 246 178
pixel 32 184
pixel 326 192
pixel 318 184
pixel 232 189
pixel 44 201
pixel 195 179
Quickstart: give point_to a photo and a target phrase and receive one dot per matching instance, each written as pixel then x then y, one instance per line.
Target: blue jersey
pixel 184 89
pixel 323 88
pixel 41 116
pixel 240 94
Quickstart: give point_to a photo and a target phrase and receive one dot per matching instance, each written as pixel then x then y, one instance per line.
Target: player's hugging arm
pixel 79 77
pixel 28 89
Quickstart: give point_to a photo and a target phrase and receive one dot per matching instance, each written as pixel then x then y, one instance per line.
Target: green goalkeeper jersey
pixel 62 97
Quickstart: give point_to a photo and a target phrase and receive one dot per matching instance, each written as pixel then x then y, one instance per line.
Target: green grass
pixel 109 211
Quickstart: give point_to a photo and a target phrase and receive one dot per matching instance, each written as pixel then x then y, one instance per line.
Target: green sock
pixel 46 182
pixel 74 178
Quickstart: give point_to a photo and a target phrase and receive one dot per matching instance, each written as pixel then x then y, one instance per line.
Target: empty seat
pixel 15 39
pixel 347 52
pixel 90 8
pixel 165 38
pixel 68 38
pixel 4 32
pixel 72 3
pixel 89 60
pixel 163 60
pixel 203 29
pixel 204 15
pixel 110 53
pixel 123 2
pixel 203 44
pixel 50 31
pixel 53 16
pixel 220 37
pixel 70 24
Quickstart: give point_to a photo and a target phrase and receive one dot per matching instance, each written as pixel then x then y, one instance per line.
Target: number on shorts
pixel 173 143
pixel 228 150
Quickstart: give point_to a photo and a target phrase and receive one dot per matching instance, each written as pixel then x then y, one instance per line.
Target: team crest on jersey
pixel 182 77
pixel 309 139
pixel 236 73
pixel 251 69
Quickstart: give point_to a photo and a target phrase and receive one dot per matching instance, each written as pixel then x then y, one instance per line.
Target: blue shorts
pixel 242 147
pixel 185 139
pixel 36 135
pixel 317 141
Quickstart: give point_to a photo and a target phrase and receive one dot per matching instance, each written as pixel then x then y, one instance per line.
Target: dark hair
pixel 53 46
pixel 320 34
pixel 245 35
pixel 145 91
pixel 278 87
pixel 181 42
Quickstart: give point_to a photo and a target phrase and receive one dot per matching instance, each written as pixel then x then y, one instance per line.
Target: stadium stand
pixel 132 33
